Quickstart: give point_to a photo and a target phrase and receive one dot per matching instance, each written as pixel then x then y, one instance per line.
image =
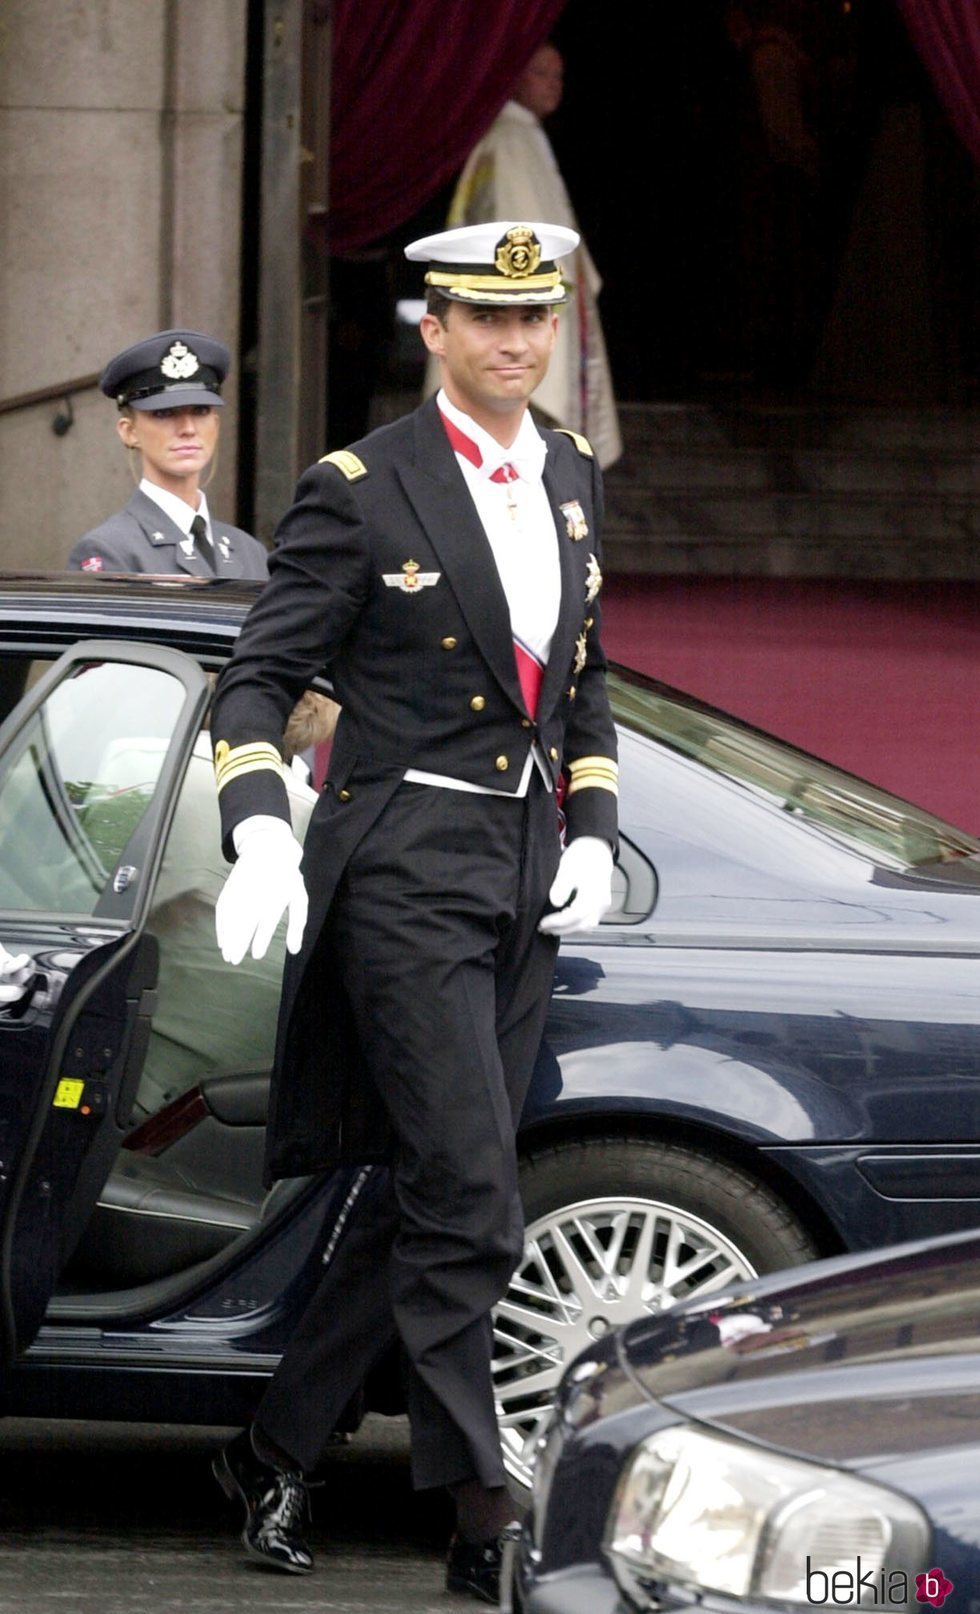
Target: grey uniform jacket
pixel 142 538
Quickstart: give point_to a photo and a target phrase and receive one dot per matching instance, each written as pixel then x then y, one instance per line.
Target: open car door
pixel 91 761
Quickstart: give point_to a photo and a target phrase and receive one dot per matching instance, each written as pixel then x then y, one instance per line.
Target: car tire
pixel 618 1228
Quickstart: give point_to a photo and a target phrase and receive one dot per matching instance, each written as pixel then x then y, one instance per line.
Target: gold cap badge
pixel 518 253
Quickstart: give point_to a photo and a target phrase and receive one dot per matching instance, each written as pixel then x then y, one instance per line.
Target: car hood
pixel 856 1361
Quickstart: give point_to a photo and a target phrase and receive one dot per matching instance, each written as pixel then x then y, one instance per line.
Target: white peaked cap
pixel 504 261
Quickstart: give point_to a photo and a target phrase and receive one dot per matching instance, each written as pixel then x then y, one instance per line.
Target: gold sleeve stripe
pixel 581 443
pixel 596 773
pixel 234 764
pixel 347 463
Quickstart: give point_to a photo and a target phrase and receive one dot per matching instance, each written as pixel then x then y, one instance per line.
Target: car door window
pixel 76 783
pixel 211 1016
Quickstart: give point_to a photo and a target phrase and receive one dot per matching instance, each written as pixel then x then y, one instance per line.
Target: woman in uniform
pixel 167 390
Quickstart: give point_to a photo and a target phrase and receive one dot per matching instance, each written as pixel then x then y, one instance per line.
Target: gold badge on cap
pixel 410 579
pixel 593 580
pixel 518 253
pixel 575 523
pixel 179 363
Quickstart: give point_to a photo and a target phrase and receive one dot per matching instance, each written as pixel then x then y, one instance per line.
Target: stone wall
pixel 120 195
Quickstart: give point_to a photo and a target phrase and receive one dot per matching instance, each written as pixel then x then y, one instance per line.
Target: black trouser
pixel 435 925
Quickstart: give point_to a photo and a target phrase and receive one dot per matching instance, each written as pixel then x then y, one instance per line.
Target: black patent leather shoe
pixel 474 1566
pixel 277 1507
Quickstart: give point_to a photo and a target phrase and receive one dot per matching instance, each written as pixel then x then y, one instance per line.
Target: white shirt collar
pixel 526 453
pixel 175 507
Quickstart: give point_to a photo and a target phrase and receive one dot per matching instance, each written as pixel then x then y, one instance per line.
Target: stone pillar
pixel 120 192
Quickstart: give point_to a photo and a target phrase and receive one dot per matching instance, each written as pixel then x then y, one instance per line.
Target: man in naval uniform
pixel 167 390
pixel 445 570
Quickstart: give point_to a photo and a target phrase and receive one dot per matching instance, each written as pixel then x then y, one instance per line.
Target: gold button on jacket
pixel 449 643
pixel 478 703
pixel 502 764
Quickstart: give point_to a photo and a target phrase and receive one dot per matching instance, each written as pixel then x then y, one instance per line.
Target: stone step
pixel 915 515
pixel 733 472
pixel 734 554
pixel 942 432
pixel 793 491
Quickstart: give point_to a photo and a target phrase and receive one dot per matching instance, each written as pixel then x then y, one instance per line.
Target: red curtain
pixel 415 83
pixel 946 34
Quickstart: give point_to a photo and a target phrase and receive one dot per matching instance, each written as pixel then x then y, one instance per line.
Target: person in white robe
pixel 512 174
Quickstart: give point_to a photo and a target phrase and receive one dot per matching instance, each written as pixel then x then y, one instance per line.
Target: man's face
pixel 539 87
pixel 492 358
pixel 175 445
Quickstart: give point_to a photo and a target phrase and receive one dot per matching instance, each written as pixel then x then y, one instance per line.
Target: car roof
pixel 57 609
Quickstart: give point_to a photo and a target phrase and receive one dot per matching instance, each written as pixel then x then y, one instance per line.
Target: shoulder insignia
pixel 581 443
pixel 347 463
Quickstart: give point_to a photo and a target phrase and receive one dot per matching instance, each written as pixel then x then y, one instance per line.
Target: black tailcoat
pixel 142 538
pixel 427 679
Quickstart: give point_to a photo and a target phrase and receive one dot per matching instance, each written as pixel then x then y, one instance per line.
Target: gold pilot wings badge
pixel 575 523
pixel 410 579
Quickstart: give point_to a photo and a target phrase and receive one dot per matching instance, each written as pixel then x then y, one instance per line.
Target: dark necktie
pixel 199 532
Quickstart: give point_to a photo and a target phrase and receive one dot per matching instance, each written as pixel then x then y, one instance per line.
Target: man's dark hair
pixel 437 304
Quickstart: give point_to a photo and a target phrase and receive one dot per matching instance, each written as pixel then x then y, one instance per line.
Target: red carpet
pixel 881 678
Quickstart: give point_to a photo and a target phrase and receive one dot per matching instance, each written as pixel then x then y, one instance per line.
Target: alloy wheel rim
pixel 587 1268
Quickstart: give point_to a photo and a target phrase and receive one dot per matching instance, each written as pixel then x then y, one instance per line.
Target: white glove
pixel 15 972
pixel 582 887
pixel 264 884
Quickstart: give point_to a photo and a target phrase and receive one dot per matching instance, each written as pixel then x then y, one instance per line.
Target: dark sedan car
pixel 810 1440
pixel 769 1050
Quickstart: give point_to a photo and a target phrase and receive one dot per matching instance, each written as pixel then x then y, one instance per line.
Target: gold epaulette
pixel 581 443
pixel 232 763
pixel 347 463
pixel 597 773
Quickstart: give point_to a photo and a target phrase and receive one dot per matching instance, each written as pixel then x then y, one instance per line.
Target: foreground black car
pixel 809 1440
pixel 770 1050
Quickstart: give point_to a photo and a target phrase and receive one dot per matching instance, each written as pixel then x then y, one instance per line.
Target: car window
pixel 18 675
pixel 211 1016
pixel 810 790
pixel 76 782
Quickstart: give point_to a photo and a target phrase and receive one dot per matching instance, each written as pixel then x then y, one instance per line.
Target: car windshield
pixel 813 791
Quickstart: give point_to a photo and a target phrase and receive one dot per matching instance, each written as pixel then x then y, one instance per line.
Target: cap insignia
pixel 518 253
pixel 179 363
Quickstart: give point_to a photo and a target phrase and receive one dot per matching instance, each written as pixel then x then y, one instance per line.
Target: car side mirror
pixel 635 887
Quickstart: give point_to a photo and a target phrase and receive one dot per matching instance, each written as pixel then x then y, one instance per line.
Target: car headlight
pixel 700 1511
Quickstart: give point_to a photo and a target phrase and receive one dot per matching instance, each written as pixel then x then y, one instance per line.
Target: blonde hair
pixel 311 722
